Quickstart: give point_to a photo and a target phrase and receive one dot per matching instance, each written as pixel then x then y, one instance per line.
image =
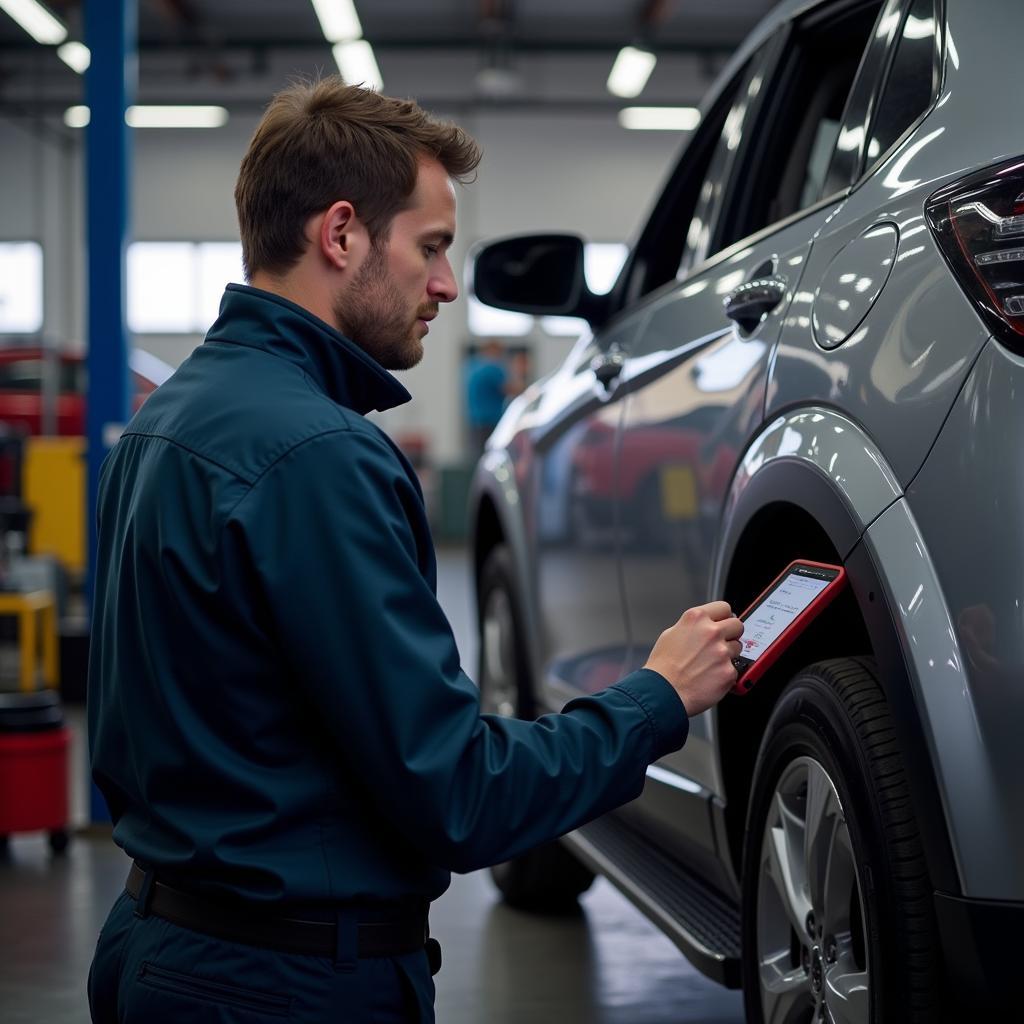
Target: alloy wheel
pixel 811 949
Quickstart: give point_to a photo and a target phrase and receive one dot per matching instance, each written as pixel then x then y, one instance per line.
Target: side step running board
pixel 701 921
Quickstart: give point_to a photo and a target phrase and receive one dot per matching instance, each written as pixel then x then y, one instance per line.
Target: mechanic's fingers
pixel 732 629
pixel 718 610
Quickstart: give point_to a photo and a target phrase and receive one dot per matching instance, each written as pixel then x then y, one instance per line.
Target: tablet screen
pixel 777 610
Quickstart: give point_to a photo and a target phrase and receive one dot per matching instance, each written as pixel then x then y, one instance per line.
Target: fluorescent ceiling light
pixel 176 117
pixel 76 56
pixel 630 72
pixel 76 117
pixel 357 64
pixel 338 20
pixel 667 119
pixel 36 20
pixel 157 117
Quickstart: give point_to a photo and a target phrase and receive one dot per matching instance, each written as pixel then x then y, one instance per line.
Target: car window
pixel 660 248
pixel 911 83
pixel 701 232
pixel 784 167
pixel 21 375
pixel 848 155
pixel 72 378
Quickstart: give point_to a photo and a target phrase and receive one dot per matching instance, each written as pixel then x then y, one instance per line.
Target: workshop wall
pixel 578 172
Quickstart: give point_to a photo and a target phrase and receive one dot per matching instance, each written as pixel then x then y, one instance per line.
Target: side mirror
pixel 537 274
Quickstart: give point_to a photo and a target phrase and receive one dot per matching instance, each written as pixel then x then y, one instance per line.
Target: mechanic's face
pixel 404 277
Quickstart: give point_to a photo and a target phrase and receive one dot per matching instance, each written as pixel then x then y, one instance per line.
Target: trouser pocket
pixel 184 992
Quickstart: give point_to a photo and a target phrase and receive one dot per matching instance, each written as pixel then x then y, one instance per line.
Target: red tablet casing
pixel 750 675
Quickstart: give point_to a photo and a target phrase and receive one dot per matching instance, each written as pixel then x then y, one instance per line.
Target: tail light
pixel 979 225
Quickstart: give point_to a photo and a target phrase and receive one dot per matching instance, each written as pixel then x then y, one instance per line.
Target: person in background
pixel 489 386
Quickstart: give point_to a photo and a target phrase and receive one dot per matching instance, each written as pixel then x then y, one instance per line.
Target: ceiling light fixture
pixel 76 117
pixel 338 20
pixel 357 64
pixel 157 117
pixel 354 56
pixel 75 55
pixel 630 72
pixel 176 117
pixel 36 20
pixel 665 119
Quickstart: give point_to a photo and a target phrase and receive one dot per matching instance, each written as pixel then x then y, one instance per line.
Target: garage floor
pixel 605 966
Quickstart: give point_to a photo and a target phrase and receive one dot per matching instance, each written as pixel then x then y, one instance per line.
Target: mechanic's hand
pixel 695 655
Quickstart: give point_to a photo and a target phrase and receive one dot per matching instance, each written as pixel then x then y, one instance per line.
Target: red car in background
pixel 21 387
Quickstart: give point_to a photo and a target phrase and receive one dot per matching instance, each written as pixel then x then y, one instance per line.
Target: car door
pixel 571 522
pixel 573 493
pixel 695 374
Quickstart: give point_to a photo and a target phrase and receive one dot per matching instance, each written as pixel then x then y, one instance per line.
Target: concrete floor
pixel 607 965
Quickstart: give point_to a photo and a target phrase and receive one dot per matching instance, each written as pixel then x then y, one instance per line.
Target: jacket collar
pixel 270 322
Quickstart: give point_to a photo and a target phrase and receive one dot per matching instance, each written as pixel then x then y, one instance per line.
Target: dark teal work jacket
pixel 276 706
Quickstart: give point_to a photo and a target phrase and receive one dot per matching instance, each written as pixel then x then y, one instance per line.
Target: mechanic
pixel 278 720
pixel 489 386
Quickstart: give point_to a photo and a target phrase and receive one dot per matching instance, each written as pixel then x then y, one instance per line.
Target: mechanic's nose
pixel 442 286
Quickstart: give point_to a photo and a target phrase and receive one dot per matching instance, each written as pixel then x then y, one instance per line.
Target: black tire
pixel 59 841
pixel 832 728
pixel 547 879
pixel 498 586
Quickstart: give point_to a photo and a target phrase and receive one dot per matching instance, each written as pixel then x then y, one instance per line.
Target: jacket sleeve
pixel 329 530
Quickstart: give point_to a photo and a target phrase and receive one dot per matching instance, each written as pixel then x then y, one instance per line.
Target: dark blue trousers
pixel 149 971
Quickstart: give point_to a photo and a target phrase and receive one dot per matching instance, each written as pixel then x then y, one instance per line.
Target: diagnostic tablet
pixel 793 599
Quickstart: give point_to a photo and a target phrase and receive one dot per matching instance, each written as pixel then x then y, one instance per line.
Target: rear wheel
pixel 837 914
pixel 547 879
pixel 59 839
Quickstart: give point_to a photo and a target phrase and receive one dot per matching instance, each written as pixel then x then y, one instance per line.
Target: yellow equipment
pixel 53 487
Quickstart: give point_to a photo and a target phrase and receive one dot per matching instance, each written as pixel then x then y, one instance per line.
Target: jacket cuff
pixel 662 706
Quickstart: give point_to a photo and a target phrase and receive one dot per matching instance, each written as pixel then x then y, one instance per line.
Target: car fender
pixel 825 463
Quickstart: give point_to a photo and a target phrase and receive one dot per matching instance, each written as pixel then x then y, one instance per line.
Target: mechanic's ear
pixel 339 232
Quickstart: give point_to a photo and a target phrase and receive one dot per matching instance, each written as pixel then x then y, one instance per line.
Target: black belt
pixel 314 938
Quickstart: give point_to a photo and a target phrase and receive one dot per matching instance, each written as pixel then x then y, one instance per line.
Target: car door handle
pixel 608 366
pixel 749 304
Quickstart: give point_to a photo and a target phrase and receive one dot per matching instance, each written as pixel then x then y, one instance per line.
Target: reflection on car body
pixel 818 343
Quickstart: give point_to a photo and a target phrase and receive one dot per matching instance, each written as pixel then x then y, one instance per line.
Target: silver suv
pixel 815 350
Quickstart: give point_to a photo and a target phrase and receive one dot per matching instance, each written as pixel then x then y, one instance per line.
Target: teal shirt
pixel 485 391
pixel 276 706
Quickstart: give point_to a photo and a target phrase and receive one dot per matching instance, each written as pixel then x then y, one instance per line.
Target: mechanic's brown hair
pixel 320 142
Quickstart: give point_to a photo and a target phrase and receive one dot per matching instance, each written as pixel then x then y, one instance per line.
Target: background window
pixel 176 287
pixel 217 264
pixel 161 287
pixel 21 287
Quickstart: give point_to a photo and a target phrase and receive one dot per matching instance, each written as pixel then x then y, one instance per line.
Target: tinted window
pixel 21 375
pixel 689 196
pixel 909 90
pixel 700 237
pixel 27 375
pixel 783 168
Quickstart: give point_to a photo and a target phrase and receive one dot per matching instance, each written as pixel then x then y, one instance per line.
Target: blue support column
pixel 111 34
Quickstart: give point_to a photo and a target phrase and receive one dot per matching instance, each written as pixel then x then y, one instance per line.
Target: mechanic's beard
pixel 371 313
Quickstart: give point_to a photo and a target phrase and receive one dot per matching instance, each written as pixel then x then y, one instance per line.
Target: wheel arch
pixel 815 500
